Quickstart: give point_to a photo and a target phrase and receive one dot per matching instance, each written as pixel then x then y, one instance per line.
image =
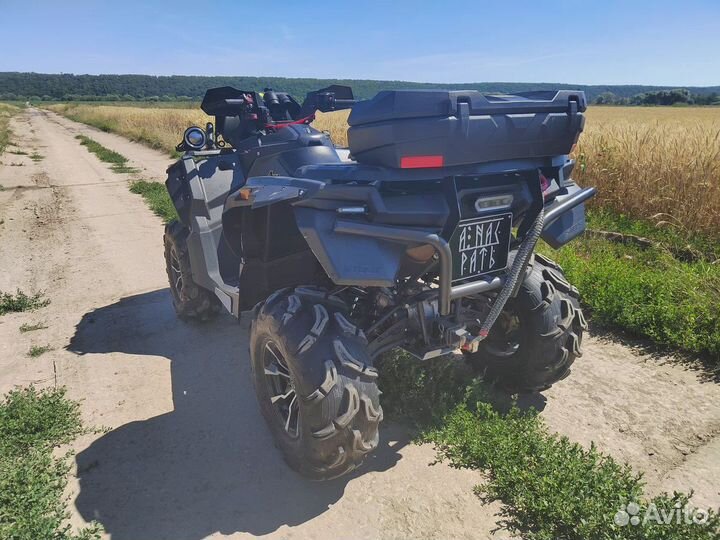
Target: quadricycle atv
pixel 420 235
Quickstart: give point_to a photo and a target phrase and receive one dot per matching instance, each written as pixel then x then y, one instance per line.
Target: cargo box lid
pixel 435 128
pixel 399 104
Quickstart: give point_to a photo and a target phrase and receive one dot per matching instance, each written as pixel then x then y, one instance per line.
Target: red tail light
pixel 421 162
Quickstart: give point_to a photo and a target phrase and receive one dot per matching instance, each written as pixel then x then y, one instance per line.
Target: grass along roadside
pixel 648 293
pixel 660 229
pixel 154 193
pixel 118 162
pixel 32 479
pixel 156 197
pixel 551 488
pixel 6 112
pixel 20 301
pixel 38 350
pixel 26 327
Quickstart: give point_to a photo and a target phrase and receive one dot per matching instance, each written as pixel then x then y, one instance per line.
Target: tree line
pixel 70 87
pixel 677 96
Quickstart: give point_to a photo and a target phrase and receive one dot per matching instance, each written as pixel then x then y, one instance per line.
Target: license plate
pixel 480 246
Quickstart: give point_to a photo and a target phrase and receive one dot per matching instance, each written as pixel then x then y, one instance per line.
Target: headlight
pixel 194 138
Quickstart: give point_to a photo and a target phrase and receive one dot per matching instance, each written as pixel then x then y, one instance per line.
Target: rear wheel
pixel 315 382
pixel 190 300
pixel 538 335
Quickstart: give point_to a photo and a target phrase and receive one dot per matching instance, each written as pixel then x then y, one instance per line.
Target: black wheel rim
pixel 504 338
pixel 176 274
pixel 281 389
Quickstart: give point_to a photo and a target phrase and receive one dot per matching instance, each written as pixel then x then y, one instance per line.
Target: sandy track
pixel 188 455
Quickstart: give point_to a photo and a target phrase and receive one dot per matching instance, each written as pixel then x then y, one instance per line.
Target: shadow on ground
pixel 210 464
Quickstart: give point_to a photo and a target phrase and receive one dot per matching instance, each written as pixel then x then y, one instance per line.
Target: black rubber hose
pixel 522 258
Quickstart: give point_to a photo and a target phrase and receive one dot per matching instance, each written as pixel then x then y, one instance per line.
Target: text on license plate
pixel 481 246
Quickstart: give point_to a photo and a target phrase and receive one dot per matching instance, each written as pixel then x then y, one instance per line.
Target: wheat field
pixel 160 128
pixel 657 163
pixel 660 164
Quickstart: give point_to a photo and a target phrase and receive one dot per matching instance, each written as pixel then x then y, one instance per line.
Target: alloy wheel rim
pixel 281 389
pixel 177 279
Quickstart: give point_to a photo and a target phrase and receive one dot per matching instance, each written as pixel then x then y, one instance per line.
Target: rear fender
pixel 349 259
pixel 565 215
pixel 346 259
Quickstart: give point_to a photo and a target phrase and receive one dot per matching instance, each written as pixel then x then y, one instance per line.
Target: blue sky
pixel 605 42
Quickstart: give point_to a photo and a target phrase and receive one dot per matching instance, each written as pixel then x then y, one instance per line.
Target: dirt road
pixel 187 455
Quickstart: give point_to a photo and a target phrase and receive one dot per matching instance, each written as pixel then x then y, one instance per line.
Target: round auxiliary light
pixel 194 138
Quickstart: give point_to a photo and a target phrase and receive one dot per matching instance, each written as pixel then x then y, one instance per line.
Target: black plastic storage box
pixel 436 128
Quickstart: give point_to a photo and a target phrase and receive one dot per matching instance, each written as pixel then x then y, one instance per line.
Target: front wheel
pixel 191 301
pixel 315 382
pixel 538 335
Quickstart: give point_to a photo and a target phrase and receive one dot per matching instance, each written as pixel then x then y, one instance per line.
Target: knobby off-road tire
pixel 190 300
pixel 538 336
pixel 315 382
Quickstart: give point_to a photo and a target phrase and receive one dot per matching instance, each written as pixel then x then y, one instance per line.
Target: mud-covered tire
pixel 549 334
pixel 191 301
pixel 337 399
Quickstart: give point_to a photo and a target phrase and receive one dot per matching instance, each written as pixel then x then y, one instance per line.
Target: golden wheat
pixel 161 128
pixel 659 163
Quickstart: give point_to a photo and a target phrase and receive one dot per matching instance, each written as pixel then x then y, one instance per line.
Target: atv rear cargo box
pixel 434 128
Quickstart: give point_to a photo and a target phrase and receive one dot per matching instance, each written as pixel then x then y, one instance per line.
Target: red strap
pixel 280 125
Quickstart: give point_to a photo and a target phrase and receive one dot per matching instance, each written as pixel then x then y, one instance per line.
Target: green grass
pixel 156 197
pixel 647 292
pixel 662 229
pixel 550 487
pixel 38 350
pixel 25 327
pixel 6 112
pixel 33 504
pixel 18 302
pixel 118 162
pixel 36 157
